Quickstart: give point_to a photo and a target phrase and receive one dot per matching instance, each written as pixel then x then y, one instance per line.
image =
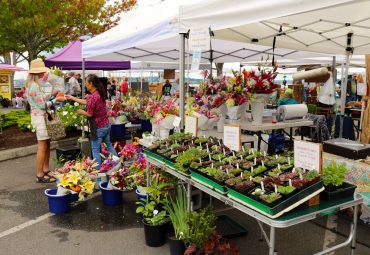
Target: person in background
pixel 78 78
pixel 96 112
pixel 124 86
pixel 175 87
pixel 75 88
pixel 287 98
pixel 108 90
pixel 166 89
pixel 38 103
pixel 113 88
pixel 351 88
pixel 19 99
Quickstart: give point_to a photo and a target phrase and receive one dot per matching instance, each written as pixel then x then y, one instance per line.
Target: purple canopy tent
pixel 70 58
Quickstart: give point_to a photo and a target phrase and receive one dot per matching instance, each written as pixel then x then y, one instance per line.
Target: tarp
pixel 155 37
pixel 11 68
pixel 317 26
pixel 70 58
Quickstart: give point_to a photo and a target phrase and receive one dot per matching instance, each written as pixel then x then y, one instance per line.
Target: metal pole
pixel 353 245
pixel 272 241
pixel 343 95
pixel 83 78
pixel 182 79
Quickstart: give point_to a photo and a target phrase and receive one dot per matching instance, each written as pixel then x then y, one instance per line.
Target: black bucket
pixel 177 247
pixel 155 236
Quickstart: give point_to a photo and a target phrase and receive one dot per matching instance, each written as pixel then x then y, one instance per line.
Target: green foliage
pixel 312 174
pixel 20 118
pixel 41 25
pixel 334 174
pixel 177 210
pixel 186 158
pixel 285 190
pixel 201 225
pixel 68 115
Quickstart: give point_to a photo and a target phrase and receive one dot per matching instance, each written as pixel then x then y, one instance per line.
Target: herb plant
pixel 334 174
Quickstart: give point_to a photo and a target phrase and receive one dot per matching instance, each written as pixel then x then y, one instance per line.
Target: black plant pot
pixel 155 236
pixel 332 193
pixel 177 247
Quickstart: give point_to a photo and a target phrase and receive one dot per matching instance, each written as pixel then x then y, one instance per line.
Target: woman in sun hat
pixel 38 103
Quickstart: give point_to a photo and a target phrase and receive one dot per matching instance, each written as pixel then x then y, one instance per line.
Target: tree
pixel 41 25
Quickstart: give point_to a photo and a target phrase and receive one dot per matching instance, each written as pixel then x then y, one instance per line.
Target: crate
pixel 199 177
pixel 68 153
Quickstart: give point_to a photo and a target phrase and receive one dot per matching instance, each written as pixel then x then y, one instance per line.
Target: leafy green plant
pixel 270 198
pixel 285 190
pixel 177 211
pixel 310 175
pixel 186 158
pixel 334 174
pixel 201 225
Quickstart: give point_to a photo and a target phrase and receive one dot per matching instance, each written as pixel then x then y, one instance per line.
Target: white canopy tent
pixel 337 28
pixel 146 35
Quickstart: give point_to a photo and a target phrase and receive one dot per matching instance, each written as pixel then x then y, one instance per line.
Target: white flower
pixel 74 116
pixel 58 108
pixel 76 104
pixel 29 126
pixel 65 113
pixel 155 212
pixel 33 130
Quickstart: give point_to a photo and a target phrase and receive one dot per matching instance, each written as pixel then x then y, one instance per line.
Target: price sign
pixel 308 155
pixel 232 136
pixel 191 125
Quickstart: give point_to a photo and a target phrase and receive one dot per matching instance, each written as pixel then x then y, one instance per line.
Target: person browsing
pixel 96 112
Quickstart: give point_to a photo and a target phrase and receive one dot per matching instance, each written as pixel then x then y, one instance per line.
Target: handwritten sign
pixel 232 136
pixel 308 155
pixel 191 125
pixel 199 39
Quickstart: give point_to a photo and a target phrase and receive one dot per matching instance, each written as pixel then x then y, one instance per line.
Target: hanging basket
pixel 58 203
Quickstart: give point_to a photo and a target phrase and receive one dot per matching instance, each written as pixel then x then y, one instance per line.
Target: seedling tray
pixel 293 199
pixel 205 180
pixel 347 190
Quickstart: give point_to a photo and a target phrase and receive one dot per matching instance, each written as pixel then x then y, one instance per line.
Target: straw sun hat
pixel 38 66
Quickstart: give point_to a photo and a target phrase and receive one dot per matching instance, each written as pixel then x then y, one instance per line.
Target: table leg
pixel 355 216
pixel 259 134
pixel 272 241
pixel 188 196
pixel 148 174
pixel 291 138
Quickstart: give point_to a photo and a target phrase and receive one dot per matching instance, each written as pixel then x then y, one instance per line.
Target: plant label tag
pixel 262 186
pixel 263 164
pixel 289 160
pixel 209 155
pixel 275 188
pixel 241 175
pixel 276 156
pixel 290 182
pixel 279 166
pixel 252 169
pixel 237 165
pixel 212 165
pixel 255 161
pixel 243 149
pixel 264 153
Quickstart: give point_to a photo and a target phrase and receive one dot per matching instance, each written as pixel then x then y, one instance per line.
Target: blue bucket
pixel 58 203
pixel 141 196
pixel 110 196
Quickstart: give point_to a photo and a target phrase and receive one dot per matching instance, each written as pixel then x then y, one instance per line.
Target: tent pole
pixel 182 78
pixel 83 78
pixel 343 95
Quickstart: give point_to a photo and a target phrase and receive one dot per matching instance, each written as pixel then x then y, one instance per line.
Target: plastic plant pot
pixel 110 196
pixel 58 203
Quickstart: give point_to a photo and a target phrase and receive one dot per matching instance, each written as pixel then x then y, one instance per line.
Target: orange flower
pixel 75 188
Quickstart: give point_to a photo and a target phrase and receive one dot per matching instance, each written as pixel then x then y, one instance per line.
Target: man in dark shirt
pixel 166 89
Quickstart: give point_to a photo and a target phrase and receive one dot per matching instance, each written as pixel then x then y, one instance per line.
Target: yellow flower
pixel 89 187
pixel 74 177
pixel 232 80
pixel 133 100
pixel 63 180
pixel 230 102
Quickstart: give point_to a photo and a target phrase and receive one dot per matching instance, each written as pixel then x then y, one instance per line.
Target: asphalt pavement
pixel 26 226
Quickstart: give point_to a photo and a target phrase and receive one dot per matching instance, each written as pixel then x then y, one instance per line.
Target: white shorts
pixel 38 123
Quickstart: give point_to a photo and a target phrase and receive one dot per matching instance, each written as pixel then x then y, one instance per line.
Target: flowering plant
pixel 107 165
pixel 130 177
pixel 262 80
pixel 88 165
pixel 77 180
pixel 129 151
pixel 157 110
pixel 68 116
pixel 209 96
pixel 236 90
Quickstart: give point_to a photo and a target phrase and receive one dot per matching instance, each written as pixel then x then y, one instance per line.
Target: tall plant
pixel 177 210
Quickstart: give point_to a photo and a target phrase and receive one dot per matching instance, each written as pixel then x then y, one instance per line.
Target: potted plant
pixel 333 179
pixel 177 212
pixel 155 217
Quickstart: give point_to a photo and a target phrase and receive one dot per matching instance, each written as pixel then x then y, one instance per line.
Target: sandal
pixel 49 174
pixel 45 179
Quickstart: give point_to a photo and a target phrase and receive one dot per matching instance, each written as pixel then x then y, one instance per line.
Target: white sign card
pixel 199 39
pixel 232 136
pixel 195 62
pixel 361 89
pixel 308 155
pixel 191 125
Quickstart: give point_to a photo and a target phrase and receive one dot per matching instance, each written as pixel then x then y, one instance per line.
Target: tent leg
pixel 343 95
pixel 182 79
pixel 83 78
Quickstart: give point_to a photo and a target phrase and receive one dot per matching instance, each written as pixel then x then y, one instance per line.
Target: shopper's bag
pixel 56 129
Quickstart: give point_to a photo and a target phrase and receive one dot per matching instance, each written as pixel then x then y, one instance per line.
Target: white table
pixel 274 126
